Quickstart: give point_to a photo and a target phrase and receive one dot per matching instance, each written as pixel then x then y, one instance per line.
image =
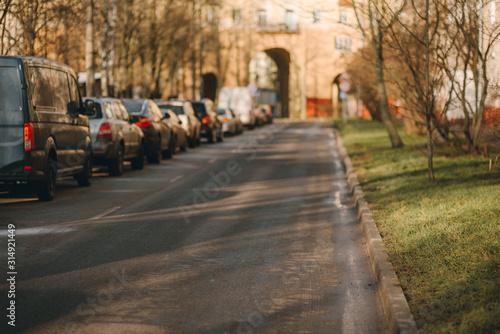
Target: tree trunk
pixel 89 50
pixel 430 150
pixel 108 48
pixel 396 141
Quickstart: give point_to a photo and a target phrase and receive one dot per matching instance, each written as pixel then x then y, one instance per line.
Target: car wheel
pixel 184 145
pixel 169 152
pixel 138 162
pixel 191 142
pixel 115 166
pixel 155 157
pixel 84 179
pixel 212 137
pixel 47 188
pixel 220 138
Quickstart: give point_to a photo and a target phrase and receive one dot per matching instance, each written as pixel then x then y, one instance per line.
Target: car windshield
pixel 178 110
pixel 221 111
pixel 10 89
pixel 134 106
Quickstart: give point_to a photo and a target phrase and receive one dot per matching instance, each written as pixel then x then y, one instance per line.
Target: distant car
pixel 229 125
pixel 240 100
pixel 239 123
pixel 114 138
pixel 158 136
pixel 44 129
pixel 260 117
pixel 184 111
pixel 180 137
pixel 267 111
pixel 211 124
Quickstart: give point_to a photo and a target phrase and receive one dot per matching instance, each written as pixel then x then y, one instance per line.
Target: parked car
pixel 158 136
pixel 229 125
pixel 260 118
pixel 268 113
pixel 240 100
pixel 239 123
pixel 184 111
pixel 44 126
pixel 211 124
pixel 114 138
pixel 180 136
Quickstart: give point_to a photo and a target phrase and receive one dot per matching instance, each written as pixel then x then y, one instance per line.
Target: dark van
pixel 44 130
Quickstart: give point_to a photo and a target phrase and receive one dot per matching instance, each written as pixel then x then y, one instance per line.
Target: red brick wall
pixel 319 107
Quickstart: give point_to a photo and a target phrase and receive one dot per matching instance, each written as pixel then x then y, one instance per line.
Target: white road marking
pixel 107 212
pixel 177 178
pixel 38 230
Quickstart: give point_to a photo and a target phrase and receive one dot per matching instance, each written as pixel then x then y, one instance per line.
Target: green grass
pixel 442 238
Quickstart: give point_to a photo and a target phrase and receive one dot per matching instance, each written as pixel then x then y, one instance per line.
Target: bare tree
pixel 380 19
pixel 108 48
pixel 89 49
pixel 473 39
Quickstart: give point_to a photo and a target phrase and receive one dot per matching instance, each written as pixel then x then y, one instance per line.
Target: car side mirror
pixel 166 115
pixel 89 108
pixel 180 122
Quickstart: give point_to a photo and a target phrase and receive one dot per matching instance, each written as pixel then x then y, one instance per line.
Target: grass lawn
pixel 443 238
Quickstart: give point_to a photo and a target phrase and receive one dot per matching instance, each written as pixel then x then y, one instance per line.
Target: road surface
pixel 257 234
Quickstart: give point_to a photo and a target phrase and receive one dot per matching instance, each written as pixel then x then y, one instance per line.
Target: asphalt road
pixel 257 234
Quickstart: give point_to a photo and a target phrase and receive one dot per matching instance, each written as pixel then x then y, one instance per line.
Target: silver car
pixel 114 138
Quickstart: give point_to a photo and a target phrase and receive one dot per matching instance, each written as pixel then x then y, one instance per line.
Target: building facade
pixel 309 43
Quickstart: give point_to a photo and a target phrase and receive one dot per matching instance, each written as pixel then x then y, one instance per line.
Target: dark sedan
pixel 158 135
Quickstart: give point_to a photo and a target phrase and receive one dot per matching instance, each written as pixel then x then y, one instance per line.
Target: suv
pixel 44 126
pixel 190 123
pixel 211 125
pixel 114 138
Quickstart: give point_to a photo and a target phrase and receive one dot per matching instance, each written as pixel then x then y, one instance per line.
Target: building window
pixel 262 18
pixel 316 16
pixel 343 16
pixel 236 16
pixel 343 44
pixel 210 14
pixel 290 20
pixel 493 10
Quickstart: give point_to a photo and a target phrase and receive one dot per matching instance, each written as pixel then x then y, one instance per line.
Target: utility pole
pixel 89 50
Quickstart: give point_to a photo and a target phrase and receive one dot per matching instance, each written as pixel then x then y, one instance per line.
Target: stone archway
pixel 209 86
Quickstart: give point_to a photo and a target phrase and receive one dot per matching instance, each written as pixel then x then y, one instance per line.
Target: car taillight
pixel 104 131
pixel 225 119
pixel 29 137
pixel 205 120
pixel 144 123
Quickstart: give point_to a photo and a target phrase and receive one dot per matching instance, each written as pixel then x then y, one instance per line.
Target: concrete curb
pixel 394 302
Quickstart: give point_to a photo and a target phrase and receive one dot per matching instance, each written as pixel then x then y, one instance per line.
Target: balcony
pixel 278 28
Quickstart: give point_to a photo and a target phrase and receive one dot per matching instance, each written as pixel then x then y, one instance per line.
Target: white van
pixel 241 101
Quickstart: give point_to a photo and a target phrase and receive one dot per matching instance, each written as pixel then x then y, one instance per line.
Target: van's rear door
pixel 11 116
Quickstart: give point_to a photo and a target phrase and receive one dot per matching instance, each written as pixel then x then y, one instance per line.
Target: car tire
pixel 138 162
pixel 155 158
pixel 212 137
pixel 84 179
pixel 46 190
pixel 115 166
pixel 184 146
pixel 169 152
pixel 220 138
pixel 191 142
